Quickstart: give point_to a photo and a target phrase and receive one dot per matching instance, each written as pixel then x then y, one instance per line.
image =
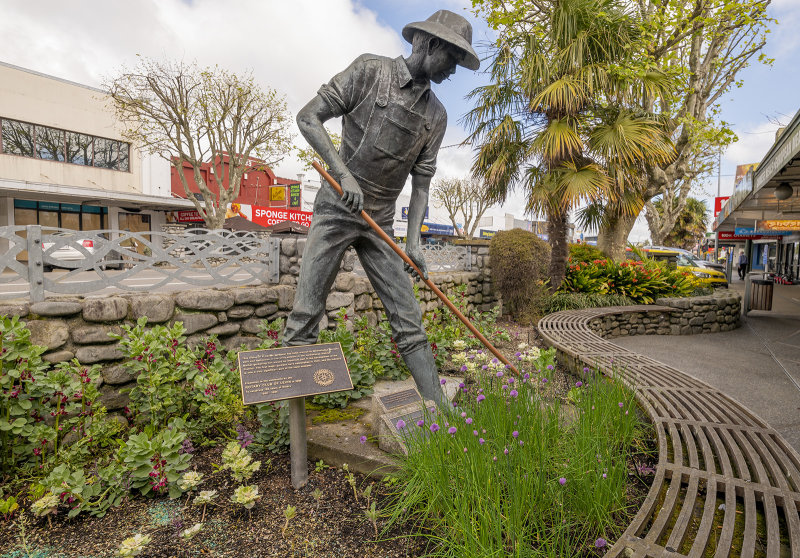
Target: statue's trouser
pixel 332 231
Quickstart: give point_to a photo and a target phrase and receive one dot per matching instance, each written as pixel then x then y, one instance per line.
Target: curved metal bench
pixel 726 483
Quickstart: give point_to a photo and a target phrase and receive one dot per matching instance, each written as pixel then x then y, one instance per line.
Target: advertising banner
pixel 487 233
pixel 718 203
pixel 277 193
pixel 436 228
pixel 294 195
pixel 268 216
pixel 188 217
pixel 782 225
pixel 404 213
pixel 728 235
pixel 763 232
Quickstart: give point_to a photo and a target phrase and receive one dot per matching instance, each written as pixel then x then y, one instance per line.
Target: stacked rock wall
pixel 78 327
pixel 720 311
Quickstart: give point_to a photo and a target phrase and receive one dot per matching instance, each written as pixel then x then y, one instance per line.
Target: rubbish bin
pixel 761 294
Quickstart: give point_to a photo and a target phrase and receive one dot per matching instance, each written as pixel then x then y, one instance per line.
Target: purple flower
pixel 505 451
pixel 443 381
pixel 621 404
pixel 517 353
pixel 494 361
pixel 505 386
pixel 544 380
pixel 484 367
pixel 463 367
pixel 420 423
pixel 585 370
pixel 513 393
pixel 464 415
pixel 469 420
pixel 526 376
pixel 451 430
pixel 521 443
pixel 474 432
pixel 461 385
pixel 600 543
pixel 562 481
pixel 578 384
pixel 500 374
pixel 363 439
pixel 434 427
pixel 480 390
pixel 494 458
pixel 186 446
pixel 549 366
pixel 604 475
pixel 465 450
pixel 511 380
pixel 515 434
pixel 401 424
pixel 481 441
pixel 243 436
pixel 480 398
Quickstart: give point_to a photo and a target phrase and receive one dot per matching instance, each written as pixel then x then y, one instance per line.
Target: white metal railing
pixel 226 258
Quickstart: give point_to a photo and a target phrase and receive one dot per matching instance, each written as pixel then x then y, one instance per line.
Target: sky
pixel 295 46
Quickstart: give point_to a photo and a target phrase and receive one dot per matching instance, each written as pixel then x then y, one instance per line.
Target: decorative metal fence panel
pixel 445 257
pixel 223 257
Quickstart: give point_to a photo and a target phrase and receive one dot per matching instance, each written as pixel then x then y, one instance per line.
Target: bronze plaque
pixel 288 372
pixel 400 398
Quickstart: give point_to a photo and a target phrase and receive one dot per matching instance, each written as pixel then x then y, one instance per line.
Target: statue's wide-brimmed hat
pixel 449 27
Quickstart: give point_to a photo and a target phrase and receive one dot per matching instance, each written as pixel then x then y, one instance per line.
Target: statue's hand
pixel 417 256
pixel 353 197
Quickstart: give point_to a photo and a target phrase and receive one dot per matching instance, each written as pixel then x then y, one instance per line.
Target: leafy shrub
pixel 585 253
pixel 520 261
pixel 575 301
pixel 640 281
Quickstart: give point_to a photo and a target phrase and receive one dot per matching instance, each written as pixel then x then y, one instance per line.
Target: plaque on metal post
pixel 289 372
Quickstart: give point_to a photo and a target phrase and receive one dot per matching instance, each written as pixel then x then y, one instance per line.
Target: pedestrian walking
pixel 742 264
pixel 392 127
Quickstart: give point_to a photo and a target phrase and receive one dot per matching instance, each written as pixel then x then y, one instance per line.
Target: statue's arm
pixel 310 120
pixel 420 186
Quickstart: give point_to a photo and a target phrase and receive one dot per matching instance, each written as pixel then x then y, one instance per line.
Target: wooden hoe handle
pixel 428 282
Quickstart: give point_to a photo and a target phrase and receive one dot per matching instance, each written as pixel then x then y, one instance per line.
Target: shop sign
pixel 763 232
pixel 789 225
pixel 436 228
pixel 294 195
pixel 404 213
pixel 268 216
pixel 487 233
pixel 718 204
pixel 728 235
pixel 277 193
pixel 189 217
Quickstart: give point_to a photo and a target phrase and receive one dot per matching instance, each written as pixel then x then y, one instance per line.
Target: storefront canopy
pixel 754 198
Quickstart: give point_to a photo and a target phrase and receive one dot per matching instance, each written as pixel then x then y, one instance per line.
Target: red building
pixel 259 187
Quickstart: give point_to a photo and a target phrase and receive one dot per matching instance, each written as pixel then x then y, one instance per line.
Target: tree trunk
pixel 559 250
pixel 613 238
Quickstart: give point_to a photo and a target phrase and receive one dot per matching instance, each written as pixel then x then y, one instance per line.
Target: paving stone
pixel 193 323
pixel 95 334
pixel 56 308
pixel 157 308
pixel 98 353
pixel 106 309
pixel 205 300
pixel 51 334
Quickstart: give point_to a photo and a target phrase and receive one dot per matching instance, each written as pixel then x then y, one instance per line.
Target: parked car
pixel 708 277
pixel 697 261
pixel 70 250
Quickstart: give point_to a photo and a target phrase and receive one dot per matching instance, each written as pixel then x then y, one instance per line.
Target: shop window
pixel 79 149
pixel 17 138
pixel 104 153
pixel 49 143
pixel 122 150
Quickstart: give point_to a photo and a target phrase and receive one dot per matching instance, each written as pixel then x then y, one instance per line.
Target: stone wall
pixel 720 311
pixel 78 327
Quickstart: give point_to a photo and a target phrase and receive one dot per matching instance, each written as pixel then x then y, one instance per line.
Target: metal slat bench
pixel 726 484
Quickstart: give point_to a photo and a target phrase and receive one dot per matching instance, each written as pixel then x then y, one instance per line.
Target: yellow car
pixel 707 277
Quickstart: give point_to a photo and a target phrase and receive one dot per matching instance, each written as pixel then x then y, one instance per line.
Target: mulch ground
pixel 333 526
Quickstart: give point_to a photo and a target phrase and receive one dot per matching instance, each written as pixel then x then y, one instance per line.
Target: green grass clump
pixel 575 301
pixel 506 474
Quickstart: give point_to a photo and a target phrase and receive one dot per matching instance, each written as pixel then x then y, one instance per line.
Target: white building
pixel 64 162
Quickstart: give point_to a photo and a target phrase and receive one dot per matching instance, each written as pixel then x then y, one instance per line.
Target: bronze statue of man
pixel 392 126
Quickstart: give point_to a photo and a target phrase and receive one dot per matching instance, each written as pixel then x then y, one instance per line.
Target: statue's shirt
pixel 392 126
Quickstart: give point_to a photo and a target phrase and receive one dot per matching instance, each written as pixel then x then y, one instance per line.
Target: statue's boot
pixel 423 368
